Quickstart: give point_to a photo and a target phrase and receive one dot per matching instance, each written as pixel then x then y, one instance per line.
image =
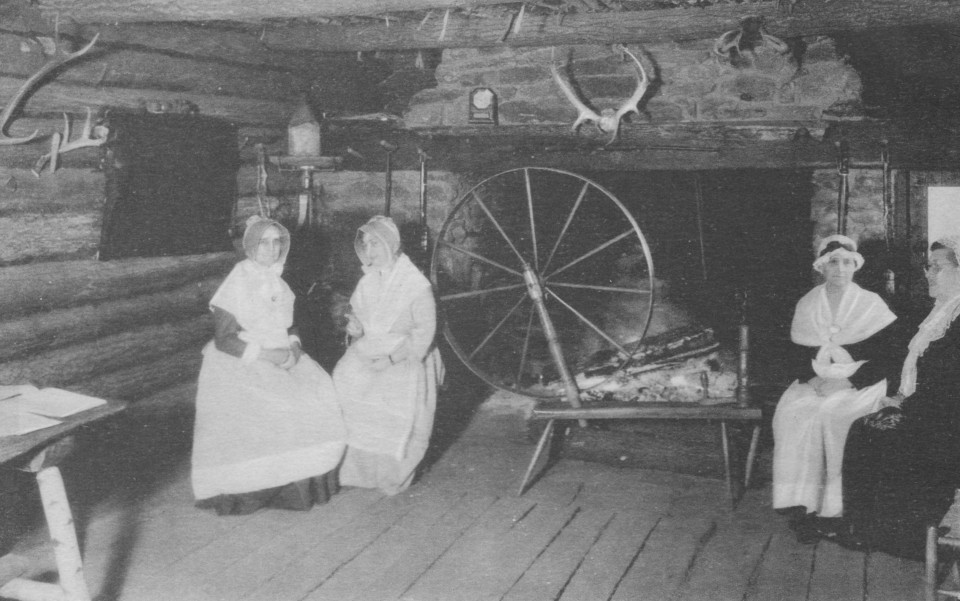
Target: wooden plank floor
pixel 583 532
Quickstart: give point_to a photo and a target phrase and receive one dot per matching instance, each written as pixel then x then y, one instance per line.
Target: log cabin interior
pixel 128 168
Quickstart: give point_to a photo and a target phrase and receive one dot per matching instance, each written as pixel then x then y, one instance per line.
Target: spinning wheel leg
pixel 726 460
pixel 542 444
pixel 751 456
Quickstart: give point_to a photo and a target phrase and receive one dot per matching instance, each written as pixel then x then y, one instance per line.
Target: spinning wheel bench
pixel 553 410
pixel 39 452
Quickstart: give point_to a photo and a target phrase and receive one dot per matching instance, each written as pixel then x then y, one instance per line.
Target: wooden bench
pixel 721 410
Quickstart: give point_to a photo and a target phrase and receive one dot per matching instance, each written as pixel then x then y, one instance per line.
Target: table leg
pixel 66 550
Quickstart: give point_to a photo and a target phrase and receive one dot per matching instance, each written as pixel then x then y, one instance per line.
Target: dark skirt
pixel 896 481
pixel 297 496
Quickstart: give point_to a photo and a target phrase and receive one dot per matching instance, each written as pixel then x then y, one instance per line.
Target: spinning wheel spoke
pixel 526 345
pixel 533 226
pixel 476 293
pixel 591 325
pixel 497 225
pixel 586 256
pixel 496 328
pixel 601 288
pixel 566 226
pixel 474 255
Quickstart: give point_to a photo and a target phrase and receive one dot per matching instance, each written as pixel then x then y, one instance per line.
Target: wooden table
pixel 722 410
pixel 39 452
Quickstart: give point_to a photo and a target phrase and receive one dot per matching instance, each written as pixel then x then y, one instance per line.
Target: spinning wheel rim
pixel 541 266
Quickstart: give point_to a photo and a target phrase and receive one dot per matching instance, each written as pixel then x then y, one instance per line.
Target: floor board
pixel 611 554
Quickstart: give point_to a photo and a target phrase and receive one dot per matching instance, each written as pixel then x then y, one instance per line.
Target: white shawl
pixel 933 327
pixel 860 315
pixel 261 302
pixel 380 299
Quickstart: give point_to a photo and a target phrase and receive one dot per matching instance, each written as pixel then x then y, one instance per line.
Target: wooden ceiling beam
pixel 679 147
pixel 56 97
pixel 100 11
pixel 809 17
pixel 235 46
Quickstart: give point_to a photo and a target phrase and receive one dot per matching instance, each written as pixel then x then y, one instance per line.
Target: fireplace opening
pixel 719 235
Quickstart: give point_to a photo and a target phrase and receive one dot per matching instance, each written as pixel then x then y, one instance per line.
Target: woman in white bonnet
pixel 902 464
pixel 268 429
pixel 388 378
pixel 846 331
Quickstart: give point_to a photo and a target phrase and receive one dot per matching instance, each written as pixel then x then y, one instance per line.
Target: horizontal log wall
pixel 126 329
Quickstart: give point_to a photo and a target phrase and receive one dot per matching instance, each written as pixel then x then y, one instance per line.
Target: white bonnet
pixel 834 245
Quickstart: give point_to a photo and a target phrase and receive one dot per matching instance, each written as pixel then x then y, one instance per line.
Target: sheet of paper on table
pixel 25 409
pixel 53 402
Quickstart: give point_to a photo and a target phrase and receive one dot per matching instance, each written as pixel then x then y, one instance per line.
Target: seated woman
pixel 388 378
pixel 902 464
pixel 847 331
pixel 268 428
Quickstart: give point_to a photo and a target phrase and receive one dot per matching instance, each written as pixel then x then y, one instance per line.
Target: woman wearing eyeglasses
pixel 902 463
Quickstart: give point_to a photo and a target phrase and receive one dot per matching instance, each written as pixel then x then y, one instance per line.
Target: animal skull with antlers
pixel 608 120
pixel 748 36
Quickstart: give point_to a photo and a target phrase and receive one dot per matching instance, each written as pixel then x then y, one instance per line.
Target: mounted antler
pixel 28 85
pixel 728 42
pixel 90 136
pixel 748 36
pixel 608 120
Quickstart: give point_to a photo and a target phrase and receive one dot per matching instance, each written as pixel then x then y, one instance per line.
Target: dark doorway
pixel 171 185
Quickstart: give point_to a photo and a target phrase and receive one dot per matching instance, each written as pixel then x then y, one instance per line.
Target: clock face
pixel 483 98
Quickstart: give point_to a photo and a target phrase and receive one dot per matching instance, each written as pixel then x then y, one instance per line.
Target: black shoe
pixel 803 528
pixel 830 528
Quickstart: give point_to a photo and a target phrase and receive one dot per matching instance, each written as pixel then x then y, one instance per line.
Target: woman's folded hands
pixel 354 328
pixel 827 386
pixel 284 358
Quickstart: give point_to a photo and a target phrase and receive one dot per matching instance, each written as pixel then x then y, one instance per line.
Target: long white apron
pixel 810 432
pixel 389 412
pixel 260 426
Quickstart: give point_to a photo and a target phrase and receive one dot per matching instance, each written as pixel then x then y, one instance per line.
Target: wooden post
pixel 424 231
pixel 887 196
pixel 388 176
pixel 843 168
pixel 743 369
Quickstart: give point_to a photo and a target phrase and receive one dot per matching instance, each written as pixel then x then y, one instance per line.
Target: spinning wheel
pixel 535 269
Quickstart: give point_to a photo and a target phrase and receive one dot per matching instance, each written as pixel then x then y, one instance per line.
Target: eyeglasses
pixel 935 268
